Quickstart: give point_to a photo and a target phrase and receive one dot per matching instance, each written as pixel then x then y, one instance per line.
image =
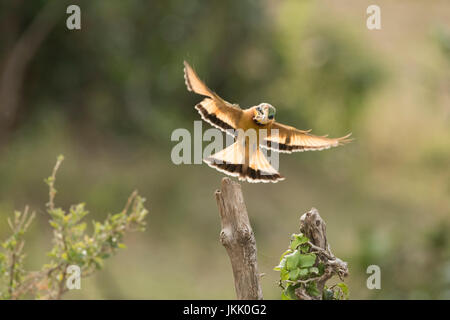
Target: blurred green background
pixel 109 96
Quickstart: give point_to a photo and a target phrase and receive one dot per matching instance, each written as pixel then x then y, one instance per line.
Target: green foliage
pixel 71 245
pixel 301 269
pixel 441 35
pixel 12 272
pixel 431 260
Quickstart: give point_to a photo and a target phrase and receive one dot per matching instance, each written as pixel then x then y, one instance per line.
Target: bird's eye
pixel 271 113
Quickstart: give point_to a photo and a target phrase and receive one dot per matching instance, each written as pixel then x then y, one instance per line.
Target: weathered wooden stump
pixel 238 239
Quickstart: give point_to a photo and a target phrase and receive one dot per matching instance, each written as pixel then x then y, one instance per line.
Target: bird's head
pixel 264 113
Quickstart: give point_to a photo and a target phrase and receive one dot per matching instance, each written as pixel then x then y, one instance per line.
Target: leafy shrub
pixel 71 245
pixel 301 270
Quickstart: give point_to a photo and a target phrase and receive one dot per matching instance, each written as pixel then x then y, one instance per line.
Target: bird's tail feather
pixel 232 161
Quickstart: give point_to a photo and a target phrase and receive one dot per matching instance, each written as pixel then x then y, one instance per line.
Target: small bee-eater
pixel 244 158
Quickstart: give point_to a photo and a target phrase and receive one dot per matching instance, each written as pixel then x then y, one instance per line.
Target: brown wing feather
pixel 193 82
pixel 290 139
pixel 213 109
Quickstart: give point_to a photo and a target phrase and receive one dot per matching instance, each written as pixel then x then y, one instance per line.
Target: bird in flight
pixel 244 158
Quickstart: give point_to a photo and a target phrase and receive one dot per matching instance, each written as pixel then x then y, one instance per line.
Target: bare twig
pixel 51 183
pixel 19 226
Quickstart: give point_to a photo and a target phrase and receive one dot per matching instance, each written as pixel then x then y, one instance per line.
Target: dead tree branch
pixel 238 239
pixel 314 228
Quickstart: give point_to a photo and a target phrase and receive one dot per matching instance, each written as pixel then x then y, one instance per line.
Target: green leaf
pixel 282 263
pixel 307 260
pixel 289 292
pixel 280 266
pixel 293 260
pixel 327 294
pixel 98 262
pixel 294 274
pixel 344 289
pixel 312 290
pixel 53 224
pixel 284 296
pixel 303 272
pixel 314 270
pixel 298 239
pixel 303 248
pixel 285 253
pixel 105 255
pixel 297 259
pixel 284 274
pixel 321 268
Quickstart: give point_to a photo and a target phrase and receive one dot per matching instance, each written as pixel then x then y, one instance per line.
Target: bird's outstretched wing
pixel 213 109
pixel 290 139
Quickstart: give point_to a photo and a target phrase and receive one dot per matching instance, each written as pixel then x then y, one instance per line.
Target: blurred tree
pixel 119 73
